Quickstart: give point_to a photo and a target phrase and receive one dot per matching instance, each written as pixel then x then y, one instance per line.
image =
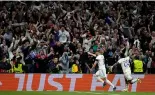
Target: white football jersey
pixel 125 64
pixel 100 59
pixel 63 36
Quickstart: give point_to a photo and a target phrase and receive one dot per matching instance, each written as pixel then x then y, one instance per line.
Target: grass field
pixel 70 93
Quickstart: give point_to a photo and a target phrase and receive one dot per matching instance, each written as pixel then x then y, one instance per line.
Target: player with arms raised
pixel 125 64
pixel 101 73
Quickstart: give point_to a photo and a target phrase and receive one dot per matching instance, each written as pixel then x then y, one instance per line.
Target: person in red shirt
pixel 41 62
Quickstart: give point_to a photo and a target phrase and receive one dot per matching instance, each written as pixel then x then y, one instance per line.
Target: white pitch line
pixel 87 92
pixel 95 93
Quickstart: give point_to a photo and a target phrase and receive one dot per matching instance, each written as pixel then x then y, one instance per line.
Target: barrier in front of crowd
pixel 71 82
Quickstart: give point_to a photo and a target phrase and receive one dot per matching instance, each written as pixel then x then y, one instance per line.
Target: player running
pixel 125 64
pixel 101 73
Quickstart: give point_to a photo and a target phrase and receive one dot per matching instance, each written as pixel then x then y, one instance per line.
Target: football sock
pixel 127 86
pixel 134 80
pixel 98 78
pixel 108 82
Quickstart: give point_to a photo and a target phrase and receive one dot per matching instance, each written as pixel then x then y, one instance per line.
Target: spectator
pixel 49 35
pixel 64 35
pixel 18 66
pixel 75 66
pixel 4 65
pixel 54 66
pixel 138 67
pixel 153 66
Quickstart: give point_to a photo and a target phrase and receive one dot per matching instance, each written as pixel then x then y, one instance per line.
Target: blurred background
pixel 54 37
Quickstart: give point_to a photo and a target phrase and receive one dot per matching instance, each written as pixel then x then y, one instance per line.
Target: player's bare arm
pixel 115 64
pixel 92 54
pixel 111 67
pixel 94 65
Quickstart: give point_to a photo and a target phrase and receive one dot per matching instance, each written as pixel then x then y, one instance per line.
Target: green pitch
pixel 70 93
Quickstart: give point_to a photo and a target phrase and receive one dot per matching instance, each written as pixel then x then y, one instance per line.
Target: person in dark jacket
pixel 4 65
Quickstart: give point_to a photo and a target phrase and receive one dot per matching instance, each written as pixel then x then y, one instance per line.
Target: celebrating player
pixel 101 73
pixel 125 64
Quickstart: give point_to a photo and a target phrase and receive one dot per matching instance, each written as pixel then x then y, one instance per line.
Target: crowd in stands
pixel 55 37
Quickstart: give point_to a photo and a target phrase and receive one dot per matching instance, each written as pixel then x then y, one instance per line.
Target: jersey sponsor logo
pixel 71 82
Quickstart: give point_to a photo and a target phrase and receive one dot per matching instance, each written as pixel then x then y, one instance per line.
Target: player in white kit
pixel 101 73
pixel 125 64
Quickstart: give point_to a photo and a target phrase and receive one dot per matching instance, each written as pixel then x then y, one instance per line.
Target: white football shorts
pixel 101 73
pixel 127 75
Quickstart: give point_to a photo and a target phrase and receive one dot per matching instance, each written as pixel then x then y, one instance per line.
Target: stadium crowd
pixel 55 37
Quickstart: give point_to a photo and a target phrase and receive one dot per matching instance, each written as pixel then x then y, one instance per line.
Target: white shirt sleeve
pixel 120 61
pixel 67 33
pixel 60 32
pixel 99 57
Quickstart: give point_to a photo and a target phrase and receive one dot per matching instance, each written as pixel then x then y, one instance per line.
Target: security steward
pixel 138 66
pixel 18 66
